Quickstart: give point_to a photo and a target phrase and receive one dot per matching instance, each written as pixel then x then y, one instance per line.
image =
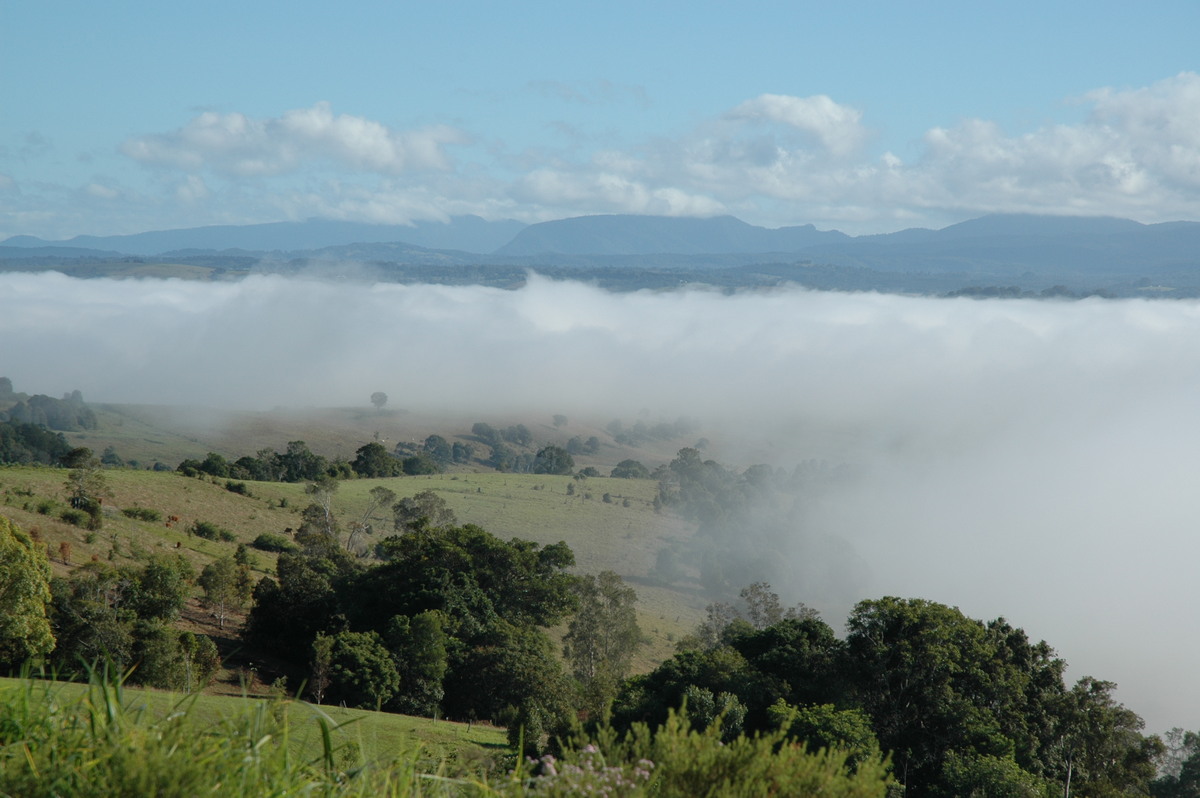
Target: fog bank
pixel 1025 458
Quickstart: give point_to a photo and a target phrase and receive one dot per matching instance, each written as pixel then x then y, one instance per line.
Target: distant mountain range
pixel 1006 249
pixel 469 233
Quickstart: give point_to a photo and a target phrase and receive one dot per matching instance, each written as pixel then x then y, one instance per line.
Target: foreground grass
pixel 101 739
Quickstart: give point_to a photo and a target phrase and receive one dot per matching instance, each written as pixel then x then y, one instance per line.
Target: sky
pixel 865 117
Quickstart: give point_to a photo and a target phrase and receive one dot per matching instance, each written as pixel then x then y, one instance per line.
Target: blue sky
pixel 865 117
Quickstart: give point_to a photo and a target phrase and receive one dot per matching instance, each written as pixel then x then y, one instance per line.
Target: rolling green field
pixel 610 524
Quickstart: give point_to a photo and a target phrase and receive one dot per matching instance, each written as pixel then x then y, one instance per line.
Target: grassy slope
pixel 376 735
pixel 602 535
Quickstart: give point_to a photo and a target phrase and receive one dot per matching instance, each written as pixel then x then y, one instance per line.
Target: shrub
pixel 238 488
pixel 675 760
pixel 45 507
pixel 74 517
pixel 142 513
pixel 271 542
pixel 210 531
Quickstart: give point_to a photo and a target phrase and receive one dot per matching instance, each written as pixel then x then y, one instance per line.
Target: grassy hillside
pixel 373 735
pixel 155 433
pixel 610 524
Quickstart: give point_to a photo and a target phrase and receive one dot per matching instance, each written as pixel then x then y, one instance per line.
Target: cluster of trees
pixel 124 616
pixel 69 414
pixel 23 443
pixel 640 432
pixel 296 463
pixel 750 528
pixel 452 621
pixel 962 707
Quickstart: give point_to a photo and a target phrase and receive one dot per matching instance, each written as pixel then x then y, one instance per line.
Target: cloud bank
pixel 773 160
pixel 1031 459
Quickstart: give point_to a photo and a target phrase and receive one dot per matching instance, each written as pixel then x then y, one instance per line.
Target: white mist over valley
pixel 1031 459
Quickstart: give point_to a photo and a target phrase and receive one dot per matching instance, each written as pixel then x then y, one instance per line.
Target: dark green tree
pixel 553 460
pixel 373 460
pixel 418 645
pixel 361 670
pixel 90 619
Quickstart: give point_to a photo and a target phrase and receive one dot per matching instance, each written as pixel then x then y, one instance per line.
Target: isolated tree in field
pixel 24 596
pixel 379 399
pixel 87 489
pixel 602 637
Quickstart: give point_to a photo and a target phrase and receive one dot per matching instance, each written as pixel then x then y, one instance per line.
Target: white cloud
pixel 836 127
pixel 773 159
pixel 235 144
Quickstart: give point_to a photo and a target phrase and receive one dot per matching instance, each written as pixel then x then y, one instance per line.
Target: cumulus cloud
pixel 1031 459
pixel 774 159
pixel 238 145
pixel 837 127
pixel 779 159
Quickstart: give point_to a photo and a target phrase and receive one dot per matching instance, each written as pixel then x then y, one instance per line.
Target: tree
pixel 418 644
pixel 422 510
pixel 438 448
pixel 379 399
pixel 322 663
pixel 379 497
pixel 553 460
pixel 1104 751
pixel 90 619
pixel 87 489
pixel 374 460
pixel 630 469
pixel 24 596
pixel 602 637
pixel 226 588
pixel 160 590
pixel 361 670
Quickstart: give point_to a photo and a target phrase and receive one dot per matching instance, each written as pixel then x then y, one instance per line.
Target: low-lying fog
pixel 1037 460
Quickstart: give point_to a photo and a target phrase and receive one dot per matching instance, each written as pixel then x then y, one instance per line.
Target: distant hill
pixel 468 233
pixel 1014 244
pixel 1119 257
pixel 655 235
